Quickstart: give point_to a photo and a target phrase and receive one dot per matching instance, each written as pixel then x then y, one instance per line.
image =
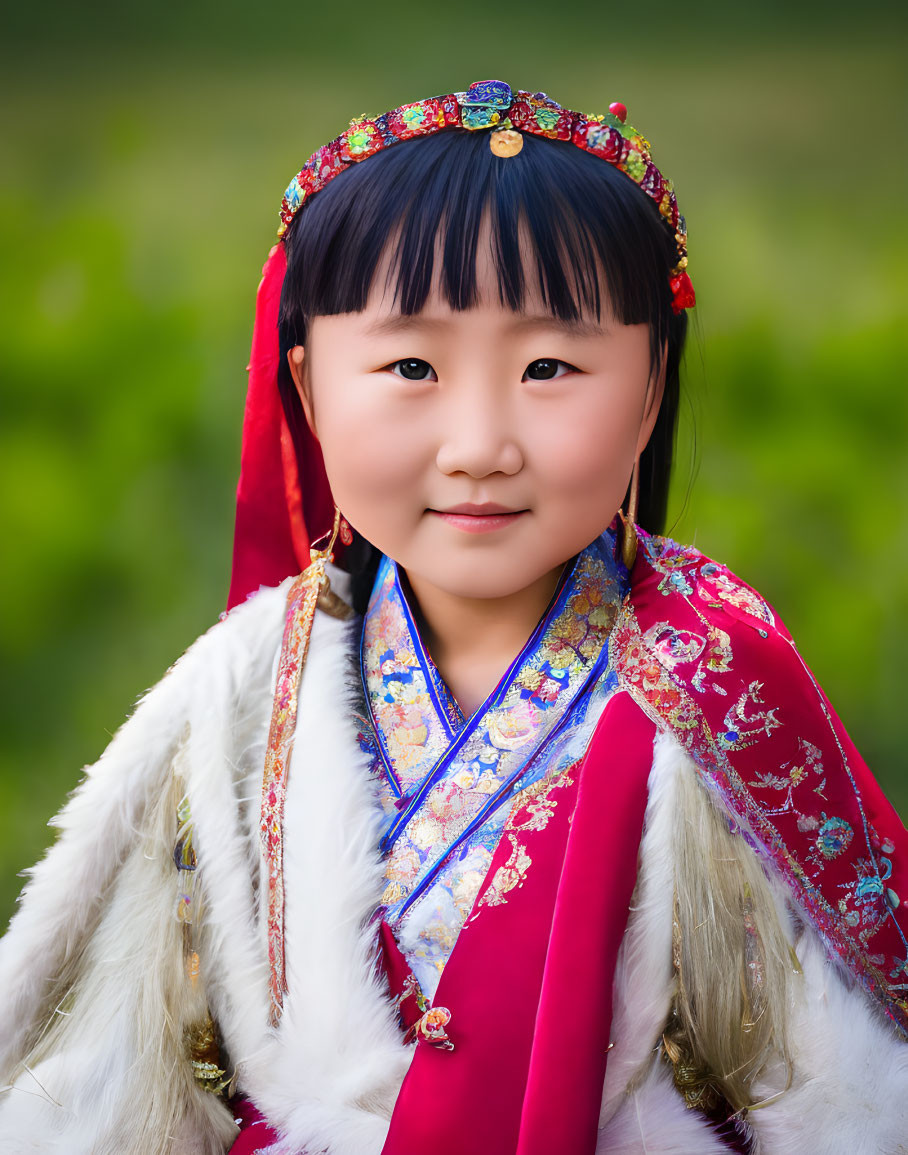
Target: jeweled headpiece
pixel 491 104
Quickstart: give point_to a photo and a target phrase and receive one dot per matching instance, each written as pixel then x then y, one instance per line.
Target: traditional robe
pixel 683 702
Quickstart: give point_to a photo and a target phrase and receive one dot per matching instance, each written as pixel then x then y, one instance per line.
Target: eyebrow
pixel 578 327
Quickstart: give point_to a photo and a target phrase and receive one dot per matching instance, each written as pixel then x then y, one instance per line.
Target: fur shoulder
pixel 102 883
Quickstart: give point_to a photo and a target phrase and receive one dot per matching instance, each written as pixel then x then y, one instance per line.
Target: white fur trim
pixel 850 1088
pixel 101 904
pixel 653 1118
pixel 328 1079
pixel 99 912
pixel 644 979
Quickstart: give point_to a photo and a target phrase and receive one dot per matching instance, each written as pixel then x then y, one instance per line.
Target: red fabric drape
pixel 283 501
pixel 529 982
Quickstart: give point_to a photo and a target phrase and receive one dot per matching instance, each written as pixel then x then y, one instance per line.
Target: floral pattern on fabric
pixel 302 598
pixel 532 809
pixel 688 644
pixel 416 716
pixel 448 787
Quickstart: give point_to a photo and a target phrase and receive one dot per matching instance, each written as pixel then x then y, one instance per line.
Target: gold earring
pixel 628 520
pixel 328 600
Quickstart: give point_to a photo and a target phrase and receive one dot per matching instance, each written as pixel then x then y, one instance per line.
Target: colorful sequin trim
pixel 492 104
pixel 301 603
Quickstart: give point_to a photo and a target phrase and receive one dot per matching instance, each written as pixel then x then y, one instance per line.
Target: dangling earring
pixel 628 520
pixel 328 600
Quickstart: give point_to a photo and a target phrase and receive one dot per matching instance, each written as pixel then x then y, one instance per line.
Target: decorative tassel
pixel 201 1038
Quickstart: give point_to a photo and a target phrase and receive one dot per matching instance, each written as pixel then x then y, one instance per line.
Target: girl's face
pixel 479 449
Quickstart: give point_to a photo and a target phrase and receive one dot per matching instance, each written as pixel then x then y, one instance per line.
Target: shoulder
pixel 254 624
pixel 694 628
pixel 226 661
pixel 224 673
pixel 708 658
pixel 668 570
pixel 716 636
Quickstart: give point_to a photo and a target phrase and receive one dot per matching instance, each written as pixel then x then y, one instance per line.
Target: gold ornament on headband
pixel 506 142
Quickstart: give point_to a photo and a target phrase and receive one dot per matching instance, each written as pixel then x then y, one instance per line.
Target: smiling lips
pixel 479 518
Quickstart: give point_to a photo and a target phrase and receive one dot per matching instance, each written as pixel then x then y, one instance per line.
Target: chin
pixel 483 579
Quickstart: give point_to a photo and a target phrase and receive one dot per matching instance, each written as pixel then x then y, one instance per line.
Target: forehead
pixel 437 315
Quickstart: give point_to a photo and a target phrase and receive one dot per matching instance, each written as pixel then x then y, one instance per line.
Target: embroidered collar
pixel 448 773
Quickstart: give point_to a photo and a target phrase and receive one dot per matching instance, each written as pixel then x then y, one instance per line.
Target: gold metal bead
pixel 506 142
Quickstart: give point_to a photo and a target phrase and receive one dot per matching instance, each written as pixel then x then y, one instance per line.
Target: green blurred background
pixel 143 154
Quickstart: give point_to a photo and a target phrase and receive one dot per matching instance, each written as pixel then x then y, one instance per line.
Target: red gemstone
pixel 520 114
pixel 683 296
pixel 620 110
pixel 601 140
pixel 652 183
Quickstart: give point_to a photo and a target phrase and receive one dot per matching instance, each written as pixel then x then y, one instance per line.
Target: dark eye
pixel 413 369
pixel 546 368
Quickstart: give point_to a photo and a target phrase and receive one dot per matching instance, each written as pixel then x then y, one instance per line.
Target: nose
pixel 478 433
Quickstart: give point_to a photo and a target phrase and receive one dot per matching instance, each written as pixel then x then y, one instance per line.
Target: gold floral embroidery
pixel 538 805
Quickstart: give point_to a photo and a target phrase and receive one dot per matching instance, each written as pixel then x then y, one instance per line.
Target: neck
pixel 473 640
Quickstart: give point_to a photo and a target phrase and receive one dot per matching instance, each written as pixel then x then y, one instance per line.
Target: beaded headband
pixel 490 104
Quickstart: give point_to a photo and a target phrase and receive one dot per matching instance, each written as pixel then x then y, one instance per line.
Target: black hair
pixel 585 222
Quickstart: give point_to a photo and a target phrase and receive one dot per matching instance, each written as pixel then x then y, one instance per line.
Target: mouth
pixel 471 518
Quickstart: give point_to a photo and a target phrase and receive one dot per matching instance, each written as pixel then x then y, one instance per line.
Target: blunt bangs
pixel 584 220
pixel 585 228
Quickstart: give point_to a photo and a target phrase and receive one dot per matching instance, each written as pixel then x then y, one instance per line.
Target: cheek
pixel 585 457
pixel 374 467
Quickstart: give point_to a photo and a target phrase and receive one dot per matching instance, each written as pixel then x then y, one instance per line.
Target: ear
pixel 296 360
pixel 652 402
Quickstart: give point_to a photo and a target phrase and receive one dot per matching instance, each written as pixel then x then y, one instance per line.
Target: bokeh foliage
pixel 143 158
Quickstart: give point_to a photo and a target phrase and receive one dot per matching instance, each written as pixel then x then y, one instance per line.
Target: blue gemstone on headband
pixel 293 195
pixel 492 93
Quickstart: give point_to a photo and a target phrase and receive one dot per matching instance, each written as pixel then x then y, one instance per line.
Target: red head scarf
pixel 278 511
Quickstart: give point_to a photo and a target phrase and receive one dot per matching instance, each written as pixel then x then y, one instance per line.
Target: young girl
pixel 506 827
